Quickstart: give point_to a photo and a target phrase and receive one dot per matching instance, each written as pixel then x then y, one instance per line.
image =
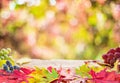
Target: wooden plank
pixel 55 63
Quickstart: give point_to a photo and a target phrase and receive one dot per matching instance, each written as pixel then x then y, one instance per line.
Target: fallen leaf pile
pixel 86 73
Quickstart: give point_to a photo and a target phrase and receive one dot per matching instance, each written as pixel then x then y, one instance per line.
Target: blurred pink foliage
pixel 64 29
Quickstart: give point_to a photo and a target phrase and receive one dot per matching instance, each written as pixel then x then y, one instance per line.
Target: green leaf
pixel 52 75
pixel 83 71
pixel 39 75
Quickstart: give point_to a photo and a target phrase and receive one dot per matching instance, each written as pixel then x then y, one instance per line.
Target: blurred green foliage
pixel 60 29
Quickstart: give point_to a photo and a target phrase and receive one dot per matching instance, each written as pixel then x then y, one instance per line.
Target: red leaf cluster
pixel 105 77
pixel 17 76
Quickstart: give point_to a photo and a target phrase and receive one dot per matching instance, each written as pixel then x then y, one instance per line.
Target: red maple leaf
pixel 17 76
pixel 105 77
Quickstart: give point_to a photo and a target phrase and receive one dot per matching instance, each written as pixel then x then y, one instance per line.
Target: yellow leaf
pixel 2 62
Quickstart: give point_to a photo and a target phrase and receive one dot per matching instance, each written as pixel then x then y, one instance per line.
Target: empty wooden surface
pixel 55 63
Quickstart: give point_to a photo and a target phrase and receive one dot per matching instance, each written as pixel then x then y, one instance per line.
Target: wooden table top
pixel 55 63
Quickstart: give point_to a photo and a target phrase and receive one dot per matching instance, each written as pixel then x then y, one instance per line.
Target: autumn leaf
pixel 106 76
pixel 23 74
pixel 83 71
pixel 43 75
pixel 26 70
pixel 2 62
pixel 38 76
pixel 17 76
pixel 53 75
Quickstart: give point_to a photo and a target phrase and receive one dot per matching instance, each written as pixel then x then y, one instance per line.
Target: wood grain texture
pixel 55 63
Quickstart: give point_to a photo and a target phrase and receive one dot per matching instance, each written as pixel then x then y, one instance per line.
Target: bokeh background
pixel 60 29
